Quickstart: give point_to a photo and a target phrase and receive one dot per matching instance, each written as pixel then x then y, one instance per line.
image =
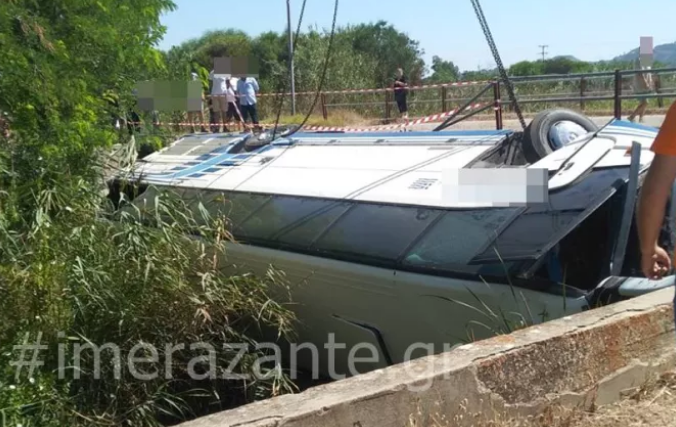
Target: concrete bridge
pixel 581 361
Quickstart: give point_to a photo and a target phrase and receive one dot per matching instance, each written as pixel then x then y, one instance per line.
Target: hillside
pixel 665 53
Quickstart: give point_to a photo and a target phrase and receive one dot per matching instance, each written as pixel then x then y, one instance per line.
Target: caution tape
pixel 427 119
pixel 422 120
pixel 237 125
pixel 379 90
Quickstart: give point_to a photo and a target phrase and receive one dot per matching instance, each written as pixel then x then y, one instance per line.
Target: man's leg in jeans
pixel 245 113
pixel 254 114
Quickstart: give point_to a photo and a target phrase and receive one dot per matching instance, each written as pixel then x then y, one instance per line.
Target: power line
pixel 543 53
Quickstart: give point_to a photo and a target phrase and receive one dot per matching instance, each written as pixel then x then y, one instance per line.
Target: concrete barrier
pixel 586 359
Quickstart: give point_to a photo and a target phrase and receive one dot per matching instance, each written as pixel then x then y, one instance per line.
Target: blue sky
pixel 587 29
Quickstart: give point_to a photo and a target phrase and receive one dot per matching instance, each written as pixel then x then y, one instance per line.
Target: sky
pixel 587 29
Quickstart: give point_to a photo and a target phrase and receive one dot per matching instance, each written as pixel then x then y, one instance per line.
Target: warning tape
pixel 427 119
pixel 237 125
pixel 379 90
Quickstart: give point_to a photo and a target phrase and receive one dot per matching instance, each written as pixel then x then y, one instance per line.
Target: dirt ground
pixel 652 405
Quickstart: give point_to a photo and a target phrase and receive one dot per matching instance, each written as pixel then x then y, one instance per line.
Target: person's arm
pixel 654 195
pixel 653 199
pixel 254 83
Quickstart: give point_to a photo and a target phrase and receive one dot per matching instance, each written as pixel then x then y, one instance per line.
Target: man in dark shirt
pixel 400 91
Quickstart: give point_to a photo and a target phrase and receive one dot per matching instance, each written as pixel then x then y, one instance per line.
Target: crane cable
pixel 323 77
pixel 501 69
pixel 291 56
pixel 327 59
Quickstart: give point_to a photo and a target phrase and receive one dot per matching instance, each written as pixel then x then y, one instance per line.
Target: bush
pixel 78 271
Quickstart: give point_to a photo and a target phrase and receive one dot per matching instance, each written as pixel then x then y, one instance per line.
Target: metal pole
pixel 498 105
pixel 617 95
pixel 291 72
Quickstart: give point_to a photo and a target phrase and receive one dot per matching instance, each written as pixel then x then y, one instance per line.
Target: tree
pixel 59 58
pixel 220 44
pixel 526 68
pixel 479 75
pixel 70 262
pixel 271 50
pixel 391 49
pixel 443 71
pixel 564 65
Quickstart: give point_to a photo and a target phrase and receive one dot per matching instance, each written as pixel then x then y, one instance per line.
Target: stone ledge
pixel 585 359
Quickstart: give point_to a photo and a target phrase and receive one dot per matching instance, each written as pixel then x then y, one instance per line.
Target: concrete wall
pixel 587 359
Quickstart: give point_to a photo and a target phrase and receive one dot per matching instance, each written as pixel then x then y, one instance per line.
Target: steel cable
pixel 501 69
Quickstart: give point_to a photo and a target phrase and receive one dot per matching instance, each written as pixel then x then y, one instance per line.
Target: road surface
pixel 514 124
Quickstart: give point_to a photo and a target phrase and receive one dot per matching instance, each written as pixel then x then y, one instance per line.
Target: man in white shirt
pixel 218 91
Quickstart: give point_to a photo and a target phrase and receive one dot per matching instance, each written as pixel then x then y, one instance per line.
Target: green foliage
pixel 363 56
pixel 58 60
pixel 479 75
pixel 443 71
pixel 557 65
pixel 71 263
pixel 391 49
pixel 271 51
pixel 346 68
pixel 220 44
pixel 129 277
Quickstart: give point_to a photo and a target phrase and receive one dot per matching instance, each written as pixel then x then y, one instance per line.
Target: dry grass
pixel 653 404
pixel 336 118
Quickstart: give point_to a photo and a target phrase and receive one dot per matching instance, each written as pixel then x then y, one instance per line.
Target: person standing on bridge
pixel 199 112
pixel 233 113
pixel 246 89
pixel 400 91
pixel 218 101
pixel 655 261
pixel 643 85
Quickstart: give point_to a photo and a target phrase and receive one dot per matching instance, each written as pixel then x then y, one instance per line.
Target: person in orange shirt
pixel 655 261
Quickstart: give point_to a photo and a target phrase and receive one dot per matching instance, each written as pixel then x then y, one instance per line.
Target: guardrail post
pixel 325 111
pixel 583 89
pixel 658 88
pixel 498 105
pixel 618 93
pixel 444 93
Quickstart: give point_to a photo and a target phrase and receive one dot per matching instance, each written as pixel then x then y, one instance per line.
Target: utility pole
pixel 543 47
pixel 291 72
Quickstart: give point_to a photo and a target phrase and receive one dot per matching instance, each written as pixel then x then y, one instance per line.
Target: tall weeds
pixel 77 271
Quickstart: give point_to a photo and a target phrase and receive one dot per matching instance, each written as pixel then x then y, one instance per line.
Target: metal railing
pixel 597 92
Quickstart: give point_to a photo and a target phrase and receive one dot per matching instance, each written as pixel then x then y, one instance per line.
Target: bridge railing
pixel 600 93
